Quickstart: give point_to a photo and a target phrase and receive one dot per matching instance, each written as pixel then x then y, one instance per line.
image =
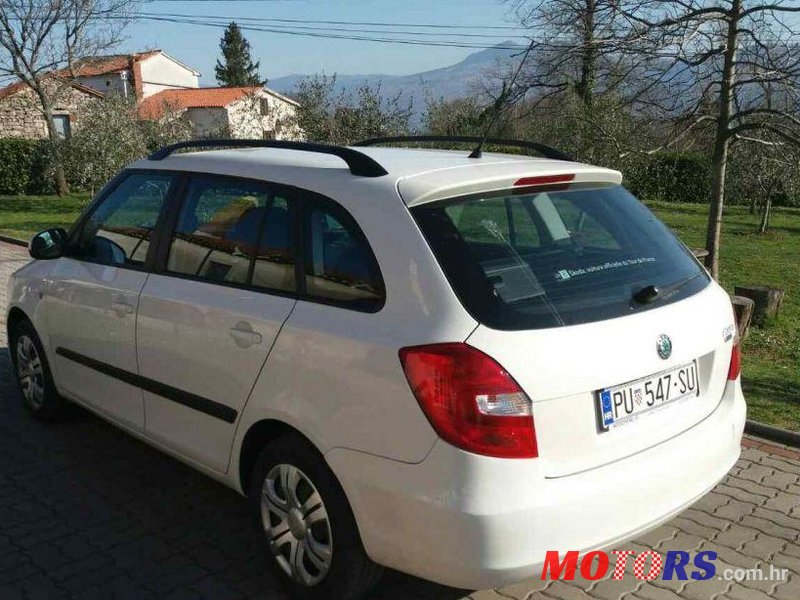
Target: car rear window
pixel 524 259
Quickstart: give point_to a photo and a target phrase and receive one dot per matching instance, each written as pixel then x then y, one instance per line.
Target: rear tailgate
pixel 574 285
pixel 561 369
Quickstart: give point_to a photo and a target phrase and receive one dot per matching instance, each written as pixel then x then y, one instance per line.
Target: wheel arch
pixel 259 435
pixel 15 316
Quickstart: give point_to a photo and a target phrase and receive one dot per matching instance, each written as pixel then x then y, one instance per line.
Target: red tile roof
pixel 102 65
pixel 156 105
pixel 11 89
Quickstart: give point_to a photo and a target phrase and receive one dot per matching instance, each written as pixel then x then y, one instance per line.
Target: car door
pixel 93 293
pixel 208 319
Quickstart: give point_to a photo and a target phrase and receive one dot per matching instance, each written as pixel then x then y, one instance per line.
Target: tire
pixel 32 371
pixel 332 563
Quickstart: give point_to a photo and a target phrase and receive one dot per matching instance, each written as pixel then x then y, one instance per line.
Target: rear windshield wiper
pixel 651 293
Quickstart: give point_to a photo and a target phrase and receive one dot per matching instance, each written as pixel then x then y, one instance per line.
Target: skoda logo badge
pixel 664 346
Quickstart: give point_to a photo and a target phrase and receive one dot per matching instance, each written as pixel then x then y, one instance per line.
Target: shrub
pixel 333 115
pixel 111 136
pixel 674 177
pixel 22 165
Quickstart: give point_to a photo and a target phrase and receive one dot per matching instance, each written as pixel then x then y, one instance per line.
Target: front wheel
pixel 33 374
pixel 308 529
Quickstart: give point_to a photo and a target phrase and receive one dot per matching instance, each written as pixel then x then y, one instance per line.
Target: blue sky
pixel 286 54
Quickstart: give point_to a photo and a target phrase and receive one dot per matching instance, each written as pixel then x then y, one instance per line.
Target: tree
pixel 42 40
pixel 742 61
pixel 238 68
pixel 581 51
pixel 325 116
pixel 116 137
pixel 765 175
pixel 462 116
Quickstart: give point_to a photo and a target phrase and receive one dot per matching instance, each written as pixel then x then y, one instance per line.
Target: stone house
pixel 20 115
pixel 161 86
pixel 240 112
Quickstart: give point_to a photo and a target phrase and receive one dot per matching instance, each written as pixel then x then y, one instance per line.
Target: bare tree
pixel 734 65
pixel 584 49
pixel 765 174
pixel 42 41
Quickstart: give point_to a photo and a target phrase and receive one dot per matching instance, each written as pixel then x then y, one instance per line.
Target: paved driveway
pixel 89 512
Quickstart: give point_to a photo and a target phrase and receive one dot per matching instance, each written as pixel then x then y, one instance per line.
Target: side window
pixel 234 232
pixel 340 265
pixel 120 228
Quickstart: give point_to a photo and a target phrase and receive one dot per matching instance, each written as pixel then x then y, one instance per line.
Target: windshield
pixel 557 257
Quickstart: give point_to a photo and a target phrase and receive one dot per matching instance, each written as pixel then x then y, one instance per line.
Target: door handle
pixel 121 307
pixel 244 336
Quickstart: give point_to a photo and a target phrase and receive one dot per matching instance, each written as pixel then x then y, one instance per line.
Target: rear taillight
pixel 736 362
pixel 470 400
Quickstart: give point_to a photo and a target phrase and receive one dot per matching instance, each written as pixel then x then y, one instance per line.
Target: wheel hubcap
pixel 30 372
pixel 296 524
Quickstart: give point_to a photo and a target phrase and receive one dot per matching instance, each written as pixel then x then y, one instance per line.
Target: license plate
pixel 623 404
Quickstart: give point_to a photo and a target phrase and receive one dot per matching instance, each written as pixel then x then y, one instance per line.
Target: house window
pixel 263 105
pixel 62 126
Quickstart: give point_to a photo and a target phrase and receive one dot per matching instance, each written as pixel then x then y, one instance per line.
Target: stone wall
pixel 20 115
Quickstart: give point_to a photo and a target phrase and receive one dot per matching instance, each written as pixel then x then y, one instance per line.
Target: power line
pixel 256 20
pixel 319 34
pixel 323 22
pixel 218 1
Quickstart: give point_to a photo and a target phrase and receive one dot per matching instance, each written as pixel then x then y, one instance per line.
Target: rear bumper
pixel 476 522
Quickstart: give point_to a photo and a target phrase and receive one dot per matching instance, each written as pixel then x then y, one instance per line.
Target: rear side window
pixel 340 265
pixel 119 229
pixel 232 231
pixel 557 257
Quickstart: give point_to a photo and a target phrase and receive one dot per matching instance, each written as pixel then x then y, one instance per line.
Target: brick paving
pixel 89 512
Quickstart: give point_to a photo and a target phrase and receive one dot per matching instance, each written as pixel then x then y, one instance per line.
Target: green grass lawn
pixel 22 216
pixel 771 355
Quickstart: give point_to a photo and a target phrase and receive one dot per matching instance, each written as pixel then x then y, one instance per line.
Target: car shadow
pixel 88 510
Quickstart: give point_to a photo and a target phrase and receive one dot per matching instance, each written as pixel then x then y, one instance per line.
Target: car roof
pixel 420 175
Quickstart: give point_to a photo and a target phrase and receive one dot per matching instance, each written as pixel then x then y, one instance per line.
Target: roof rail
pixel 359 163
pixel 545 151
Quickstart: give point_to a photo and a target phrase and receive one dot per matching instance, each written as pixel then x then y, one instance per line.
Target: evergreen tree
pixel 236 67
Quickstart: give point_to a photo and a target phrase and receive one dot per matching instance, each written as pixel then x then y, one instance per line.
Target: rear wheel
pixel 33 374
pixel 308 529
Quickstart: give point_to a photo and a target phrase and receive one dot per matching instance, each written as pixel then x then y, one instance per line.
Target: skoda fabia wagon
pixel 442 363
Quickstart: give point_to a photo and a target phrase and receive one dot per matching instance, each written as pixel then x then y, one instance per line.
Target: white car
pixel 442 363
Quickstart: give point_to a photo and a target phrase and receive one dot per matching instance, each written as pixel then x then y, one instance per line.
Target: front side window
pixel 232 231
pixel 557 257
pixel 120 227
pixel 340 265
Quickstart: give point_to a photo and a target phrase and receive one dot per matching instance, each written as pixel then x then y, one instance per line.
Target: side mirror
pixel 48 244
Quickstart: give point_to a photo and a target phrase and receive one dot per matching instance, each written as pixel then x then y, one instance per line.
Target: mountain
pixel 450 82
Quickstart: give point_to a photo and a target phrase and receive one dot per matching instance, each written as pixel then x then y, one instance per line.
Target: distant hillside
pixel 450 82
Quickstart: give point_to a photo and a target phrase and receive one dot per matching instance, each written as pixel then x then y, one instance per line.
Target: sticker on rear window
pixel 569 273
